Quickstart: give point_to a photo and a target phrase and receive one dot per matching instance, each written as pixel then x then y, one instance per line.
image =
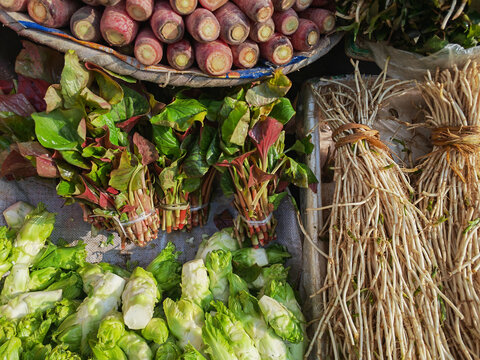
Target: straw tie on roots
pixel 448 192
pixel 462 138
pixel 361 132
pixel 379 299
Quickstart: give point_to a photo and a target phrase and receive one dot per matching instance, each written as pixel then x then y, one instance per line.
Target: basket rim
pixel 162 75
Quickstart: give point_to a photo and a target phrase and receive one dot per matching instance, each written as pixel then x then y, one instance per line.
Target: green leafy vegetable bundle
pixel 256 169
pixel 58 306
pixel 187 149
pixel 84 139
pixel 241 136
pixel 424 27
pixel 136 165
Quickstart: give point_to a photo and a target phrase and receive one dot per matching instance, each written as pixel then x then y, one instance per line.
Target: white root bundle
pixel 449 196
pixel 379 299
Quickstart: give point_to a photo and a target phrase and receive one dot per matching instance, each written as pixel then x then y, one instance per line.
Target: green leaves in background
pixel 283 111
pixel 74 79
pixel 166 141
pixel 269 91
pixel 60 129
pixel 235 122
pixel 298 174
pixel 181 114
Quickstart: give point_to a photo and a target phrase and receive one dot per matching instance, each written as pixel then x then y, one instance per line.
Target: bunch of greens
pixel 84 139
pixel 240 135
pixel 424 27
pixel 255 167
pixel 188 148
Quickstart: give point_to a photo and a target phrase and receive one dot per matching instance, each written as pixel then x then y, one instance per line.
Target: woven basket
pixel 163 75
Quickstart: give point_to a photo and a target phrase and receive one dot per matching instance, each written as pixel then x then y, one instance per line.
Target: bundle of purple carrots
pixel 216 34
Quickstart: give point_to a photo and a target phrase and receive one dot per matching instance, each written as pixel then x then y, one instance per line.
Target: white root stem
pixel 380 299
pixel 451 175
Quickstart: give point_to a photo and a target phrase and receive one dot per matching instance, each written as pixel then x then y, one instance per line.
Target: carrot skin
pixel 180 55
pixel 212 5
pixel 324 19
pixel 245 55
pixel 286 22
pixel 52 13
pixel 148 50
pixel 117 27
pixel 214 58
pixel 203 26
pixel 14 5
pixel 166 24
pixel 306 37
pixel 277 50
pixel 282 5
pixel 261 32
pixel 183 7
pixel 301 5
pixel 140 10
pixel 234 24
pixel 85 24
pixel 257 10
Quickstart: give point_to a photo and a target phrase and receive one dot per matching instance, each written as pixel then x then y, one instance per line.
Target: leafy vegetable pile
pixel 136 165
pixel 247 149
pixel 424 27
pixel 82 138
pixel 55 305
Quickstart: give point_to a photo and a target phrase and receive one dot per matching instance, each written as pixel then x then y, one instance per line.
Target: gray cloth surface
pixel 71 227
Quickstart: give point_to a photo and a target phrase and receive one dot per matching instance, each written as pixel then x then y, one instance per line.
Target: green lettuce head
pixel 168 351
pixel 185 320
pixel 221 240
pixel 196 284
pixel 219 266
pixel 156 331
pixel 283 322
pixel 111 329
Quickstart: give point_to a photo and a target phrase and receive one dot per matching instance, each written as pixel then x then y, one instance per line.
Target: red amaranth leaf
pixel 264 134
pixel 146 149
pixel 113 191
pixel 282 185
pixel 39 62
pixel 237 162
pixel 127 208
pixel 105 200
pixel 88 194
pixel 15 166
pixel 6 86
pixel 45 164
pixel 34 90
pixel 46 167
pixel 128 125
pixel 257 176
pixel 106 143
pixel 32 148
pixel 17 104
